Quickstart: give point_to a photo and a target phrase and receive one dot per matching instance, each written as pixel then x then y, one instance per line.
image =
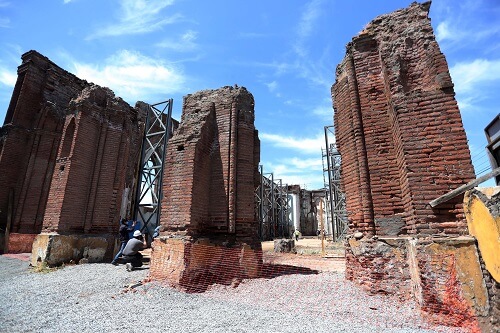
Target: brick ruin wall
pixel 211 169
pixel 68 148
pixel 400 134
pixel 30 139
pixel 399 129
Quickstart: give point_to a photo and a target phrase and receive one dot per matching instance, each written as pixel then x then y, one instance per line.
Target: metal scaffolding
pixel 272 205
pixel 157 131
pixel 335 198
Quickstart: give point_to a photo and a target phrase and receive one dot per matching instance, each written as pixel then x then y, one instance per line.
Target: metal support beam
pixel 154 145
pixel 336 209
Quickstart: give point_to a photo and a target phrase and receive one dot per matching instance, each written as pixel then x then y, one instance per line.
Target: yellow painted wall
pixel 485 227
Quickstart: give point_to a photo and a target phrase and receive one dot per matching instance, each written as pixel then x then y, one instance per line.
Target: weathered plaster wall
pixel 482 209
pixel 443 275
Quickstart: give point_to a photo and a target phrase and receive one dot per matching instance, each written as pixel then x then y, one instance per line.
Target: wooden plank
pixel 473 183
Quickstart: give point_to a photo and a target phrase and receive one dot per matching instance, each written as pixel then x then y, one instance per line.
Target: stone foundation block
pixel 442 274
pixel 55 249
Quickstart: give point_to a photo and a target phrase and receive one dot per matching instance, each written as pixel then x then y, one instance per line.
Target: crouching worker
pixel 131 254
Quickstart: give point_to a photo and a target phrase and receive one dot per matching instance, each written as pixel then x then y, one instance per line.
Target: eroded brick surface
pixel 211 166
pixel 398 128
pixel 68 149
pixel 400 134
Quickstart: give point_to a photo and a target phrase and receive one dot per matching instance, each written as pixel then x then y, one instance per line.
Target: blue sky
pixel 283 51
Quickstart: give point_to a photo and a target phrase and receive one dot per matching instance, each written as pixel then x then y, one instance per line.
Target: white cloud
pixel 467 75
pixel 186 42
pixel 304 145
pixel 305 163
pixel 306 25
pixel 443 32
pixel 272 86
pixel 133 76
pixel 475 81
pixel 325 112
pixel 457 31
pixel 308 175
pixel 138 17
pixel 4 22
pixel 7 77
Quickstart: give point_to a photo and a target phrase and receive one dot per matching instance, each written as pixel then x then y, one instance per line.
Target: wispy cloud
pixel 454 33
pixel 303 145
pixel 324 111
pixel 467 76
pixel 4 21
pixel 132 75
pixel 272 86
pixel 466 22
pixel 306 25
pixel 471 78
pixel 306 173
pixel 186 42
pixel 138 17
pixel 8 77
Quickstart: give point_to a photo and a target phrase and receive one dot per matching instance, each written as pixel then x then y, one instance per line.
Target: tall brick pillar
pixel 210 231
pixel 95 163
pixel 68 150
pixel 29 140
pixel 400 134
pixel 399 130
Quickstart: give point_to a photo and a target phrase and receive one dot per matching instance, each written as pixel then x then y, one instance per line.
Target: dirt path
pixel 309 255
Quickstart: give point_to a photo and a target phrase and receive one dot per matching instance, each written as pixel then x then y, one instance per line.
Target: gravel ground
pixel 106 298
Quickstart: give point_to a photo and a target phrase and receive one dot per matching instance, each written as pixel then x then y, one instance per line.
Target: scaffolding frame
pixel 272 206
pixel 157 131
pixel 335 198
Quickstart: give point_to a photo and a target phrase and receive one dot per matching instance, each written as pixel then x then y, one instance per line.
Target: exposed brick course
pixel 209 181
pixel 30 139
pixel 68 149
pixel 400 134
pixel 211 164
pixel 398 127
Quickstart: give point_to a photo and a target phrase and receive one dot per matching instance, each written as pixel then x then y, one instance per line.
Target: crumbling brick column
pixel 96 161
pixel 68 149
pixel 29 140
pixel 400 134
pixel 399 130
pixel 209 183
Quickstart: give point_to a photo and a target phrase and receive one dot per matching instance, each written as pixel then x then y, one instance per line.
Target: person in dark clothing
pixel 124 237
pixel 131 253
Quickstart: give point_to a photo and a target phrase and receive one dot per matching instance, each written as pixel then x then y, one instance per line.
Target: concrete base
pixel 193 265
pixel 442 274
pixel 55 249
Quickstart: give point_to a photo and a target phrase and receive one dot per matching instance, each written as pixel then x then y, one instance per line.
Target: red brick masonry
pixel 209 181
